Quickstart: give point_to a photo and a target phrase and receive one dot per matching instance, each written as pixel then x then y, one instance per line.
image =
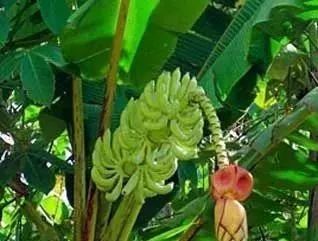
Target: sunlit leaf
pixel 55 208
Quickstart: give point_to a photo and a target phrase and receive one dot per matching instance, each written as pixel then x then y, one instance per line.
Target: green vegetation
pixel 70 68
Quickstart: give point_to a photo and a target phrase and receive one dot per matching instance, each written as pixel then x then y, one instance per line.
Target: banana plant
pixel 161 127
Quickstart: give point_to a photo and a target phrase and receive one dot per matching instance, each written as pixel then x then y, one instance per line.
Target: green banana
pixel 161 127
pixel 102 183
pixel 132 183
pixel 157 187
pixel 150 96
pixel 154 124
pixel 149 112
pixel 174 85
pixel 115 193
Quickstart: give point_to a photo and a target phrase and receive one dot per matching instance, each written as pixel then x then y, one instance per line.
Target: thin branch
pixel 79 156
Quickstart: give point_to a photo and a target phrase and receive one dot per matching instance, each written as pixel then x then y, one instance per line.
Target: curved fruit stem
pixel 214 127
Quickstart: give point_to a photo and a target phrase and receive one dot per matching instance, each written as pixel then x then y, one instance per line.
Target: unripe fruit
pixel 232 182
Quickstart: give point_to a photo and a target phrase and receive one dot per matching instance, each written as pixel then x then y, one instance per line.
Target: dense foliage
pixel 257 60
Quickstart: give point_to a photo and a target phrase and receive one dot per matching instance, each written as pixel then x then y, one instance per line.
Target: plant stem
pixel 274 134
pixel 113 67
pixel 92 208
pixel 102 215
pixel 124 219
pixel 79 155
pixel 110 90
pixel 215 129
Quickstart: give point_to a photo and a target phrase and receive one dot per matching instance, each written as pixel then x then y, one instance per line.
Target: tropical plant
pixel 120 119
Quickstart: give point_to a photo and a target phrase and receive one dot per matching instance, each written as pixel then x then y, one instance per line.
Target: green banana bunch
pixel 156 130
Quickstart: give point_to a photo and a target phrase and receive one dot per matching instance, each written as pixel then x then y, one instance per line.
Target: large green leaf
pixel 150 36
pixel 169 19
pixel 287 169
pixel 259 205
pixel 55 14
pixel 37 78
pixel 194 47
pixel 230 59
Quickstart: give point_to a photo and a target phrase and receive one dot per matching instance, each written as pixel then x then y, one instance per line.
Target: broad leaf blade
pixel 50 53
pixel 234 47
pixel 287 169
pixel 151 35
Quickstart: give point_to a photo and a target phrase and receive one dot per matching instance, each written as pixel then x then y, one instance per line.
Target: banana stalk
pixel 123 220
pixel 214 126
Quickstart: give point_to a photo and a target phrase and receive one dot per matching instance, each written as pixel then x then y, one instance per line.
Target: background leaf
pixel 55 14
pixel 54 130
pixel 50 53
pixel 37 172
pixel 4 28
pixel 37 78
pixel 9 63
